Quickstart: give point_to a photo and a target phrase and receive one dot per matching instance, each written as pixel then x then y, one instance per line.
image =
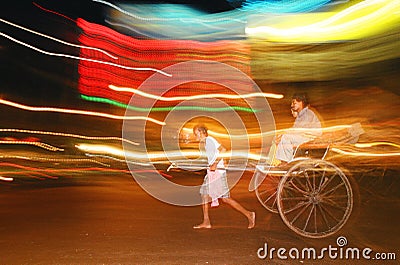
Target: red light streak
pixel 54 12
pixel 38 171
pixel 95 79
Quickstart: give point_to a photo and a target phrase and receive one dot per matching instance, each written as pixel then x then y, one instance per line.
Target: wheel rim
pixel 267 190
pixel 315 198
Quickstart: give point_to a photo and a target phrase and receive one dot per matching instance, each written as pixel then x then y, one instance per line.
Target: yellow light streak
pixel 365 145
pixel 178 98
pixel 360 20
pixel 366 154
pixel 80 112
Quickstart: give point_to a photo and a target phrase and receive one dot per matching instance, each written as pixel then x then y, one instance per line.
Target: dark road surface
pixel 109 219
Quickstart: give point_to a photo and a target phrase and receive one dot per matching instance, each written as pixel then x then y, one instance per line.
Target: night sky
pixel 34 77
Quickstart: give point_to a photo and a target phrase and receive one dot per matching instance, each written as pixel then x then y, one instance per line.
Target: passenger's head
pixel 299 102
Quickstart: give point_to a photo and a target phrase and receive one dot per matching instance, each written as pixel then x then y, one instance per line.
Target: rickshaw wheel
pixel 315 198
pixel 267 190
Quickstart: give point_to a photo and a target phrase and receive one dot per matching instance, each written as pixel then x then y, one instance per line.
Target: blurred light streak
pixel 79 112
pixel 157 109
pixel 31 170
pixel 105 138
pixel 95 79
pixel 117 159
pixel 38 144
pixel 57 160
pixel 186 19
pixel 51 11
pixel 57 170
pixel 366 145
pixel 159 155
pixel 279 62
pixel 178 22
pixel 173 21
pixel 82 58
pixel 358 21
pixel 7 179
pixel 163 19
pixel 366 154
pixel 283 6
pixel 194 97
pixel 58 40
pixel 276 132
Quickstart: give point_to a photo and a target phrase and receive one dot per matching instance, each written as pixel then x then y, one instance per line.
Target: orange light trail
pixel 106 138
pixel 38 144
pixel 367 154
pixel 57 170
pixel 194 97
pixel 80 112
pixel 33 170
pixel 58 40
pixel 46 159
pixel 82 58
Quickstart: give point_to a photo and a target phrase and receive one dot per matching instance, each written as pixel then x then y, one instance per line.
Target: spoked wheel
pixel 267 190
pixel 315 198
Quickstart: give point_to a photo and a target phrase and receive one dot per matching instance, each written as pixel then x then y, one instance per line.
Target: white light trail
pixel 194 97
pixel 58 40
pixel 80 112
pixel 81 58
pixel 106 138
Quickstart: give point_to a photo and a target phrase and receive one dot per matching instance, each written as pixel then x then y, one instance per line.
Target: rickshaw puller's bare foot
pixel 202 226
pixel 252 220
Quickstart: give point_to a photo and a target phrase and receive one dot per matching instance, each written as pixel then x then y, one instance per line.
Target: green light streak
pixel 159 109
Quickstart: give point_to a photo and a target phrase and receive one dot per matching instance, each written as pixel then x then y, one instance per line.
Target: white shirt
pixel 308 119
pixel 212 152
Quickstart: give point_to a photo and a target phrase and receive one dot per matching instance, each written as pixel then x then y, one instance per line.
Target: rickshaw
pixel 313 196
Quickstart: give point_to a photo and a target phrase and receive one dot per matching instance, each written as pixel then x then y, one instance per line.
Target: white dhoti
pixel 285 148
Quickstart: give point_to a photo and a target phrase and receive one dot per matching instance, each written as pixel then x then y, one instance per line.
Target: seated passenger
pixel 305 119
